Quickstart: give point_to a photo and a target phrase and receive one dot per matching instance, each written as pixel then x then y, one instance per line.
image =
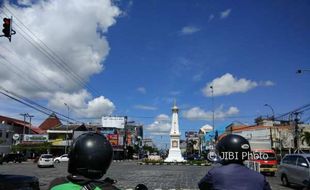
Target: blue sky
pixel 164 50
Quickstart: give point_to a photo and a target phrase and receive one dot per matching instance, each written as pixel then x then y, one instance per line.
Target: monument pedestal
pixel 174 156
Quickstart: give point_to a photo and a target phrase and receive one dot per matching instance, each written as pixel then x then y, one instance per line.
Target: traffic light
pixel 7 27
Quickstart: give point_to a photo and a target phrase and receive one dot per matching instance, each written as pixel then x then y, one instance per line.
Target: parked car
pixel 19 182
pixel 294 169
pixel 62 158
pixel 46 160
pixel 12 157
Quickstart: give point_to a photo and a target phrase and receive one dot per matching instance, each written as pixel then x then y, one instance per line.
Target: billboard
pixel 36 138
pixel 113 122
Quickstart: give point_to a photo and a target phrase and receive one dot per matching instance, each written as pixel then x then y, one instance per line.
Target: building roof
pixel 10 121
pixel 51 122
pixel 17 122
pixel 258 127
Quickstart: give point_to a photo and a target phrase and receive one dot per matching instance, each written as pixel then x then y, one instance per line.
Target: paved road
pixel 129 174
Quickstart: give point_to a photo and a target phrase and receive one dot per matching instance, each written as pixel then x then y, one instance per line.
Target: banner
pixel 36 138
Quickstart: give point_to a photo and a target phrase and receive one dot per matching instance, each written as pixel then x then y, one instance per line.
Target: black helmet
pixel 90 156
pixel 233 149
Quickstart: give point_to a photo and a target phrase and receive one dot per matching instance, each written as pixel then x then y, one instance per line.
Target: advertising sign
pixel 36 138
pixel 113 122
pixel 191 134
pixel 113 139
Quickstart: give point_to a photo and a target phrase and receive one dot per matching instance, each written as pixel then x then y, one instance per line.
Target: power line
pixel 34 105
pixel 60 63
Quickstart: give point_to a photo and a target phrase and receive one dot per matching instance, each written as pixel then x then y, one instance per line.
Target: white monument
pixel 175 151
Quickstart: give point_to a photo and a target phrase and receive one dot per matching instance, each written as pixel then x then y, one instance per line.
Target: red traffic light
pixel 7 21
pixel 7 27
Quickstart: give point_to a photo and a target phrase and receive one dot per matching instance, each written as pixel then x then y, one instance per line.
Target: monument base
pixel 175 156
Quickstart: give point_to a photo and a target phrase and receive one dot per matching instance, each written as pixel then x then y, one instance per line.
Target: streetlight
pixel 271 110
pixel 299 71
pixel 211 87
pixel 67 128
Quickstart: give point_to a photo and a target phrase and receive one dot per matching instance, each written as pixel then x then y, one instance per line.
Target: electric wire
pixel 52 55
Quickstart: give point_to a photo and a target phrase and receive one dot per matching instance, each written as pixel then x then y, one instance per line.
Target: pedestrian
pixel 89 159
pixel 232 174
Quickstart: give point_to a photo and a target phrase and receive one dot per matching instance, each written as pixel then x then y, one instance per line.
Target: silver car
pixel 294 169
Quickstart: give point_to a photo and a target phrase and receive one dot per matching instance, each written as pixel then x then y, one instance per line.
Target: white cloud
pixel 197 77
pixel 211 17
pixel 196 113
pixel 82 104
pixel 161 125
pixel 228 84
pixel 266 83
pixel 142 90
pixel 24 2
pixel 143 107
pixel 74 29
pixel 225 14
pixel 186 30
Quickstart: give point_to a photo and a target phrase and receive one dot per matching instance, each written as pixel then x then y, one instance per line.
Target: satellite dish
pixel 15 137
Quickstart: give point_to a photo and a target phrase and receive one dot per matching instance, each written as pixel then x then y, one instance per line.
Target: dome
pixel 206 128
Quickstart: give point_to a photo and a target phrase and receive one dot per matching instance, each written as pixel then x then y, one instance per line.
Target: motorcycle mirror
pixel 141 187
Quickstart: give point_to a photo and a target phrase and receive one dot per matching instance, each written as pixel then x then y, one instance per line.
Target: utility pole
pixel 30 117
pixel 296 136
pixel 25 115
pixel 67 143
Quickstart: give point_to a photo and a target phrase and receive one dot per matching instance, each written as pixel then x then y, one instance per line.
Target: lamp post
pixel 67 143
pixel 213 127
pixel 299 71
pixel 271 110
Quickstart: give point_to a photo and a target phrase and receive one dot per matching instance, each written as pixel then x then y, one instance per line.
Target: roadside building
pixel 148 142
pixel 20 136
pixel 268 134
pixel 193 142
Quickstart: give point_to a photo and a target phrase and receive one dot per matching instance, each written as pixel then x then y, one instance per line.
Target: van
pixel 294 169
pixel 267 160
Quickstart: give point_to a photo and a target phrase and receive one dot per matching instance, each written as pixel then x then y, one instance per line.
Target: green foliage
pixel 39 148
pixel 150 149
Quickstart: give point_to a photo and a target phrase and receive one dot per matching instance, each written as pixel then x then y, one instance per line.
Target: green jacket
pixel 71 183
pixel 70 186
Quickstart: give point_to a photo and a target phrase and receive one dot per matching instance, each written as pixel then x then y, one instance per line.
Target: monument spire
pixel 175 151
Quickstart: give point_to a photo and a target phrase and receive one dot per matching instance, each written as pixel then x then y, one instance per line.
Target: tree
pixel 305 137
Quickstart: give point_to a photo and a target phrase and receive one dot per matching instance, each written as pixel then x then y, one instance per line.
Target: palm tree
pixel 305 137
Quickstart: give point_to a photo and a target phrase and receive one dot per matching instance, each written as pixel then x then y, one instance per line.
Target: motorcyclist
pixel 232 174
pixel 89 159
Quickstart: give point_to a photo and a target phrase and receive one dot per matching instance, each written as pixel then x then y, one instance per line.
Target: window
pixel 47 156
pixel 7 135
pixel 301 160
pixel 0 133
pixel 290 160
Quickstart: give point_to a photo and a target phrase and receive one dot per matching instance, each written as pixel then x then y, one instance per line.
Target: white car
pixel 46 160
pixel 62 158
